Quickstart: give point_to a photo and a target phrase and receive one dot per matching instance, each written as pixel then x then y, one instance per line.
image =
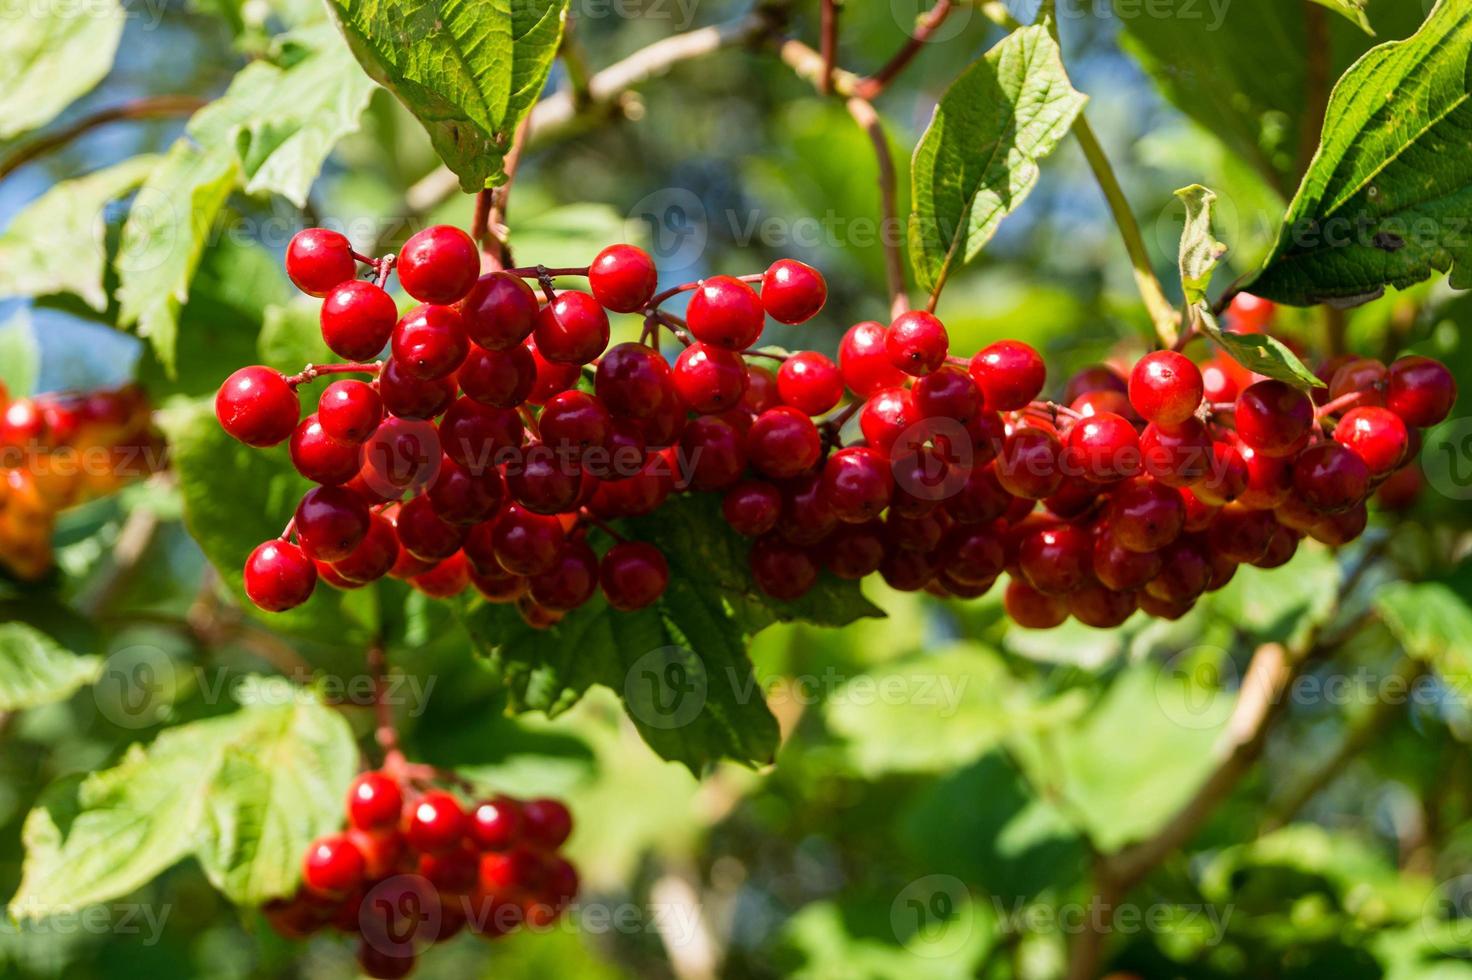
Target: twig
pixel 1316 83
pixel 151 107
pixel 501 197
pixel 829 45
pixel 894 267
pixel 871 87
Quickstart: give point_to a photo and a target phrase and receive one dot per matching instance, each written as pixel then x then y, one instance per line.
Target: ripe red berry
pixel 709 378
pixel 1030 464
pixel 761 390
pixel 1145 515
pixel 1056 560
pixel 1165 387
pixel 1239 534
pixel 526 543
pixel 256 406
pixel 947 393
pixel 575 421
pixel 864 361
pixel 752 508
pixel 793 292
pixel 726 312
pixel 321 458
pixel 1365 376
pixel 551 376
pixel 1120 569
pixel 318 259
pixel 1274 418
pixel 1226 477
pixel 496 824
pixel 633 575
pixel 1375 435
pixel 333 866
pixel 713 452
pixel 331 522
pixel 783 442
pixel 1009 373
pixel 973 555
pixel 409 397
pixel 544 480
pixel 1177 455
pixel 809 382
pixel 807 516
pixel 570 582
pixel 447 579
pixel 1031 609
pixel 855 551
pixel 437 823
pixel 429 342
pixel 885 417
pixel 572 329
pixel 546 822
pixel 374 556
pixel 916 343
pixel 279 576
pixel 426 535
pixel 375 802
pixel 498 378
pixel 1103 448
pixel 466 496
pixel 438 264
pixel 499 312
pixel 623 278
pixel 478 437
pixel 357 320
pixel 857 483
pixel 1421 391
pixel 1330 478
pixel 783 571
pixel 633 381
pixel 1102 608
pixel 349 411
pixel 1184 573
pixel 1250 314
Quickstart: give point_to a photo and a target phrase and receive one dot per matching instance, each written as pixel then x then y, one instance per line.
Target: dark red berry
pixel 436 824
pixel 496 824
pixel 279 576
pixel 1030 464
pixel 544 480
pixel 426 535
pixel 357 320
pixel 793 292
pixel 782 570
pixel 499 312
pixel 783 442
pixel 572 329
pixel 1100 607
pixel 349 411
pixel 713 453
pixel 709 378
pixel 948 392
pixel 257 406
pixel 552 377
pixel 448 578
pixel 855 551
pixel 633 575
pixel 916 343
pixel 570 582
pixel 546 822
pixel 1166 388
pixel 633 381
pixel 499 378
pixel 410 397
pixel 438 264
pixel 725 312
pixel 317 259
pixel 1145 515
pixel 374 556
pixel 1056 560
pixel 1009 373
pixel 1031 609
pixel 466 496
pixel 1330 478
pixel 807 515
pixel 973 555
pixel 864 361
pixel 857 483
pixel 623 278
pixel 1178 455
pixel 752 508
pixel 1274 418
pixel 1119 568
pixel 479 437
pixel 331 522
pixel 526 543
pixel 1421 391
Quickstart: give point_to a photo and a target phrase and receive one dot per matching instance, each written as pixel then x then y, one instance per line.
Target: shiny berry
pixel 1032 610
pixel 499 312
pixel 321 458
pixel 318 259
pixel 857 483
pixel 709 378
pixel 1274 418
pixel 783 571
pixel 465 496
pixel 331 522
pixel 623 278
pixel 1103 448
pixel 1009 373
pixel 783 442
pixel 333 866
pixel 357 320
pixel 864 362
pixel 375 802
pixel 410 397
pixel 256 406
pixel 1056 560
pixel 1375 435
pixel 426 535
pixel 713 452
pixel 1330 478
pixel 551 377
pixel 1119 568
pixel 526 543
pixel 948 392
pixel 1145 515
pixel 1421 391
pixel 752 508
pixel 1030 464
pixel 546 822
pixel 438 264
pixel 570 582
pixel 350 411
pixel 726 312
pixel 447 579
pixel 477 436
pixel 572 329
pixel 1165 387
pixel 279 576
pixel 793 292
pixel 498 378
pixel 633 574
pixel 633 381
pixel 810 383
pixel 1177 455
pixel 543 479
pixel 916 343
pixel 437 823
pixel 374 556
pixel 495 825
pixel 429 342
pixel 885 417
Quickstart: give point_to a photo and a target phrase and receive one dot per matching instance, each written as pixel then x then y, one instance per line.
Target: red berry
pixel 807 515
pixel 708 378
pixel 400 456
pixel 633 575
pixel 781 570
pixel 885 417
pixel 864 361
pixel 544 480
pixel 1250 314
pixel 633 381
pixel 349 411
pixel 498 378
pixel 916 343
pixel 1375 435
pixel 447 579
pixel 426 535
pixel 357 320
pixel 333 866
pixel 429 342
pixel 466 496
pixel 1165 387
pixel 318 259
pixel 321 458
pixel 331 522
pixel 793 292
pixel 1222 379
pixel 409 397
pixel 436 823
pixel 857 484
pixel 908 571
pixel 279 576
pixel 1056 560
pixel 1184 573
pixel 1119 568
pixel 973 555
pixel 438 264
pixel 1100 607
pixel 479 437
pixel 255 405
pixel 374 556
pixel 947 393
pixel 725 312
pixel 810 383
pixel 1178 455
pixel 1103 448
pixel 499 312
pixel 1274 418
pixel 1145 515
pixel 623 278
pixel 527 543
pixel 375 802
pixel 1031 609
pixel 713 452
pixel 1226 477
pixel 1030 464
pixel 551 377
pixel 752 508
pixel 783 442
pixel 546 822
pixel 572 329
pixel 496 824
pixel 1421 391
pixel 1009 373
pixel 1330 478
pixel 855 551
pixel 570 582
pixel 1241 535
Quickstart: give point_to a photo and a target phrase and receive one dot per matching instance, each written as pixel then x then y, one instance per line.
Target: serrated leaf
pixel 1385 199
pixel 467 69
pixel 1258 352
pixel 98 837
pixel 283 117
pixel 50 54
pixel 57 244
pixel 1352 10
pixel 168 226
pixel 978 159
pixel 36 670
pixel 1200 251
pixel 20 355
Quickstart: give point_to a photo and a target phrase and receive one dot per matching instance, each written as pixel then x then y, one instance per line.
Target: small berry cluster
pixel 415 868
pixel 61 450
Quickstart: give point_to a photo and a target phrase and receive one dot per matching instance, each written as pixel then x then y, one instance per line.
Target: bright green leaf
pixel 1385 201
pixel 50 54
pixel 1200 251
pixel 1257 351
pixel 978 159
pixel 36 670
pixel 1352 10
pixel 291 337
pixel 20 355
pixel 56 245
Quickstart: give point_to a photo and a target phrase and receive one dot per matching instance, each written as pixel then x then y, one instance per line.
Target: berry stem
pixel 587 517
pixel 538 271
pixel 382 268
pixel 863 113
pixel 314 371
pixel 1339 404
pixel 386 734
pixel 770 355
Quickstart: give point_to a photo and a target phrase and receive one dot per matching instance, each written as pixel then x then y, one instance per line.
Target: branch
pixel 1316 84
pixel 151 107
pixel 871 87
pixel 894 267
pixel 829 45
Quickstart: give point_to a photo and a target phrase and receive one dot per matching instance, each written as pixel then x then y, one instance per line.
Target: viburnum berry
pixel 496 824
pixel 810 383
pixel 1240 534
pixel 438 264
pixel 464 496
pixel 543 480
pixel 1376 435
pixel 885 417
pixel 570 582
pixel 375 802
pixel 575 420
pixel 526 543
pixel 793 292
pixel 1056 560
pixel 1184 573
pixel 1030 463
pixel 546 822
pixel 973 555
pixel 318 259
pixel 1100 607
pixel 333 866
pixel 256 406
pixel 864 361
pixel 1120 569
pixel 374 556
pixel 448 578
pixel 1226 476
pixel 321 458
pixel 633 575
pixel 709 378
pixel 857 483
pixel 1250 314
pixel 572 329
pixel 726 312
pixel 916 343
pixel 477 436
pixel 783 442
pixel 1274 418
pixel 426 535
pixel 1031 609
pixel 633 381
pixel 623 278
pixel 410 397
pixel 499 312
pixel 498 378
pixel 1104 448
pixel 1165 388
pixel 714 452
pixel 909 571
pixel 1330 478
pixel 551 377
pixel 855 551
pixel 948 392
pixel 429 342
pixel 1009 373
pixel 1145 515
pixel 279 576
pixel 349 411
pixel 436 823
pixel 1176 455
pixel 752 507
pixel 331 522
pixel 783 571
pixel 761 390
pixel 1421 391
pixel 357 320
pixel 1364 377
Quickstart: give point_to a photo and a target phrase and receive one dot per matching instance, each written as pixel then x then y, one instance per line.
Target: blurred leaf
pixel 291 337
pixel 283 117
pixel 1433 622
pixel 571 235
pixel 56 245
pixel 934 928
pixel 468 71
pixel 1383 201
pixel 1257 352
pixel 20 355
pixel 1279 604
pixel 35 669
pixel 1200 251
pixel 101 836
pixel 978 159
pixel 50 54
pixel 1352 10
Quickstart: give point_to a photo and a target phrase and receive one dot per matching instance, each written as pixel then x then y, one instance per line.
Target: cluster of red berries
pixel 416 868
pixel 61 450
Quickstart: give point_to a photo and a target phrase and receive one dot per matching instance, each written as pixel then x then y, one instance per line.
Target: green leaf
pixel 49 55
pixel 1257 351
pixel 1200 251
pixel 1385 199
pixel 468 70
pixel 20 355
pixel 1352 10
pixel 283 117
pixel 36 670
pixel 197 790
pixel 978 159
pixel 168 226
pixel 291 337
pixel 1433 622
pixel 57 244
